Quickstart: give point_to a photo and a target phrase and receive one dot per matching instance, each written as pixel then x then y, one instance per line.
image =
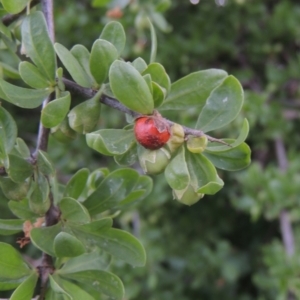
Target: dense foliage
pixel 227 245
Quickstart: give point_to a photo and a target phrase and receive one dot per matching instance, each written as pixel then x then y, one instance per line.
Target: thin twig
pixel 114 103
pixel 285 223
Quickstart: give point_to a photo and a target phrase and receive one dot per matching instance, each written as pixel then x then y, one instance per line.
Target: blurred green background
pixel 228 245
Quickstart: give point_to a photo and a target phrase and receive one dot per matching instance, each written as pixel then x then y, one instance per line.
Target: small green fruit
pixel 153 161
pixel 187 196
pixel 196 144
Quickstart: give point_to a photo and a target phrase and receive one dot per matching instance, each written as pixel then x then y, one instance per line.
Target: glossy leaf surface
pixel 76 184
pixel 130 88
pixel 193 89
pixel 55 111
pixel 72 65
pixel 110 141
pixel 115 34
pixel 102 55
pixel 67 245
pixel 32 76
pixel 22 97
pixel 222 106
pixel 38 45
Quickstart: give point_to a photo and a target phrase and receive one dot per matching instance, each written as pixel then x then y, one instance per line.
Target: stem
pixel 285 223
pixel 52 215
pixel 114 103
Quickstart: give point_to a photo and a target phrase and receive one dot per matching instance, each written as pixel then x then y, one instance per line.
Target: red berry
pixel 151 132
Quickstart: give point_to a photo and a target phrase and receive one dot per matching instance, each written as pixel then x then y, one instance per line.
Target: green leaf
pixel 63 132
pixel 84 262
pixel 100 3
pixel 148 80
pixel 72 290
pixel 21 209
pixel 222 106
pixel 45 166
pixel 67 245
pixel 102 56
pixel 74 211
pixel 19 169
pixel 8 132
pixel 5 30
pixel 130 88
pixel 110 141
pixel 8 227
pixel 43 237
pixel 177 173
pixel 84 117
pixel 38 195
pixel 232 159
pixel 193 90
pixel 128 158
pixel 26 289
pixel 97 177
pixel 102 281
pixel 8 70
pixel 115 34
pixel 37 44
pixel 83 57
pixel 77 183
pixel 22 97
pixel 13 268
pixel 116 187
pixel 118 243
pixel 158 75
pixel 32 76
pixel 22 148
pixel 58 292
pixel 55 111
pixel 158 94
pixel 215 146
pixel 139 64
pixel 204 177
pixel 14 6
pixel 13 190
pixel 70 62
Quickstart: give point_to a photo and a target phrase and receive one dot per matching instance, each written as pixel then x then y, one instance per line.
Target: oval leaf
pixel 13 190
pixel 110 141
pixel 116 187
pixel 115 34
pixel 67 245
pixel 102 281
pixel 84 117
pixel 77 183
pixel 139 64
pixel 21 209
pixel 158 75
pixel 26 289
pixel 22 97
pixel 43 237
pixel 231 159
pixel 8 227
pixel 130 88
pixel 8 132
pixel 14 6
pixel 19 169
pixel 73 211
pixel 55 111
pixel 222 106
pixel 193 89
pixel 70 62
pixel 83 57
pixel 37 44
pixel 32 76
pixel 102 55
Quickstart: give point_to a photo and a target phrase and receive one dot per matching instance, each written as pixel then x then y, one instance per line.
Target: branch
pixel 285 223
pixel 114 103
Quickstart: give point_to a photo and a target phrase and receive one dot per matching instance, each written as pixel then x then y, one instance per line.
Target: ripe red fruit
pixel 152 132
